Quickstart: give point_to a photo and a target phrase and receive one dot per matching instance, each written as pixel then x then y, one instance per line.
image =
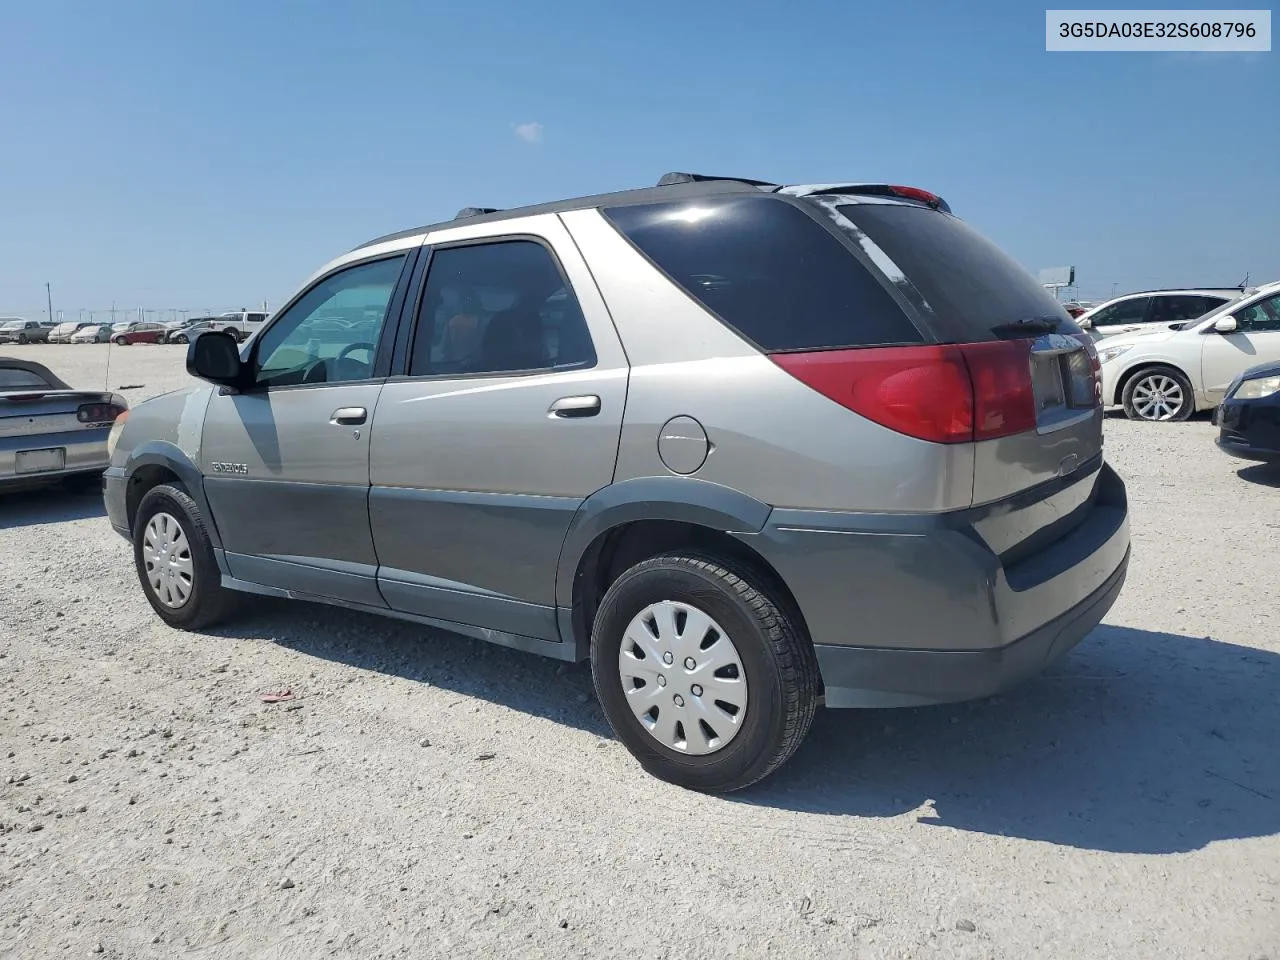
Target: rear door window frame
pixel 409 326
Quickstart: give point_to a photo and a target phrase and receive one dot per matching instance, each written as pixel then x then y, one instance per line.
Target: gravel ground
pixel 428 795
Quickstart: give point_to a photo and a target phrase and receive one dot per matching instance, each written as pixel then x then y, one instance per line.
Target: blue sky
pixel 210 155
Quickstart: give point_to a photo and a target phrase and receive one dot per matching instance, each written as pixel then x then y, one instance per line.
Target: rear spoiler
pixel 890 190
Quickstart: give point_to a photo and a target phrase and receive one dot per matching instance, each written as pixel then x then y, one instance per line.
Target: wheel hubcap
pixel 166 554
pixel 707 703
pixel 1157 398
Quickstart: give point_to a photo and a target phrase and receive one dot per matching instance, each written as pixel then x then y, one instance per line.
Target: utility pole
pixel 113 313
pixel 49 300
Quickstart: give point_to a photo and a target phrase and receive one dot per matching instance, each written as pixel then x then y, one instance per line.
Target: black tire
pixel 22 339
pixel 1157 379
pixel 208 601
pixel 776 655
pixel 179 338
pixel 121 341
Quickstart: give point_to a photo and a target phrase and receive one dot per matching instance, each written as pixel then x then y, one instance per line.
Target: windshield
pixel 13 325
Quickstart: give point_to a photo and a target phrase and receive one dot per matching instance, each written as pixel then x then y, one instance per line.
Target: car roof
pixel 671 187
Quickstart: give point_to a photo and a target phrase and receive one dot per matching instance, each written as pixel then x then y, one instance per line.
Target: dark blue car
pixel 1249 418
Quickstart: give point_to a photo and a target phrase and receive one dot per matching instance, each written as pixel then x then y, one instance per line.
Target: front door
pixel 504 419
pixel 286 462
pixel 1255 340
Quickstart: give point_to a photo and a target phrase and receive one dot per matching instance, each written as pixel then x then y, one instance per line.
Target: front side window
pixel 498 307
pixel 330 334
pixel 1261 316
pixel 1126 311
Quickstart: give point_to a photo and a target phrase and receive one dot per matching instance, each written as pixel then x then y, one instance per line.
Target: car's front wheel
pixel 703 672
pixel 1159 393
pixel 121 340
pixel 179 338
pixel 174 559
pixel 22 339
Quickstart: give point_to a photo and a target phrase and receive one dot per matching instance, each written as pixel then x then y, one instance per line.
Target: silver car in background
pixel 49 431
pixel 749 449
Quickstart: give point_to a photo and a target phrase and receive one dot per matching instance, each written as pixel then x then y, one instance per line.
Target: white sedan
pixel 1170 374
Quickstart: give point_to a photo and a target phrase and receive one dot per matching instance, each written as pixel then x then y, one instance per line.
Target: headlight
pixel 113 435
pixel 1107 354
pixel 1257 388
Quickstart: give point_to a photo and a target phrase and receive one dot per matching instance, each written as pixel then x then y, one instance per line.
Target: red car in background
pixel 127 333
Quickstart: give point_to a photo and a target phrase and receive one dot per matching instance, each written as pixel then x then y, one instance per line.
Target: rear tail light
pixel 915 193
pixel 98 412
pixel 945 393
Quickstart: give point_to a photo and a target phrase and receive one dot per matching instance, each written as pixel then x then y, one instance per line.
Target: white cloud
pixel 528 132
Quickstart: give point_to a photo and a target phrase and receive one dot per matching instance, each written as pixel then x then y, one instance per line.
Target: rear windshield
pixel 971 284
pixel 11 379
pixel 769 271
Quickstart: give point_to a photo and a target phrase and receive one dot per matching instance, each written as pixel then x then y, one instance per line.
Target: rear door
pixel 1255 340
pixel 504 417
pixel 286 462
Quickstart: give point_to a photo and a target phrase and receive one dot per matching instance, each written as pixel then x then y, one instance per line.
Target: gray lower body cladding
pixel 866 677
pixel 912 610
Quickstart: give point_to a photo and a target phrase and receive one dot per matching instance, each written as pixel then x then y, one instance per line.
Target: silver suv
pixel 749 449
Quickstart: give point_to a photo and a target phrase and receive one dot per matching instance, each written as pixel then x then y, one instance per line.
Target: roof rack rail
pixel 670 179
pixel 466 212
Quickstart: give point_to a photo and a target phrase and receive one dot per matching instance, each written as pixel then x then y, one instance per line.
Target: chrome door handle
pixel 349 416
pixel 575 407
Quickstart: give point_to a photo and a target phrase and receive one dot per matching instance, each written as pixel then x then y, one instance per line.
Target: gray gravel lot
pixel 428 795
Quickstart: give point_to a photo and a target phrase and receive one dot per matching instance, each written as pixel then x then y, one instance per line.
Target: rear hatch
pixel 1037 411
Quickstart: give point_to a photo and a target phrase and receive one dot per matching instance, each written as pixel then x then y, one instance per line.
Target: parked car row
pixel 240 323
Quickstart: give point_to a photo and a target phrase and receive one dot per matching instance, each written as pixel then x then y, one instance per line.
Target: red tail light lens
pixel 944 394
pixel 98 412
pixel 915 193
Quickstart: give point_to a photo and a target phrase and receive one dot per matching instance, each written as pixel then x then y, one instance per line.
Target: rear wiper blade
pixel 1027 325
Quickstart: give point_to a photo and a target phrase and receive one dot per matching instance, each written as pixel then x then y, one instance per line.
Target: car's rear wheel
pixel 703 673
pixel 1158 393
pixel 174 559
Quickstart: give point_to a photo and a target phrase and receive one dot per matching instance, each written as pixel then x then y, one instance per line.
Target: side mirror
pixel 1085 324
pixel 1226 324
pixel 216 357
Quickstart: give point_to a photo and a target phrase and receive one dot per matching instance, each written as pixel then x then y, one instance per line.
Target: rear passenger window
pixel 767 270
pixel 1177 308
pixel 498 308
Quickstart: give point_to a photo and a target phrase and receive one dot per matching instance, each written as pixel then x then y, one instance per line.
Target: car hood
pixel 1261 370
pixel 1129 339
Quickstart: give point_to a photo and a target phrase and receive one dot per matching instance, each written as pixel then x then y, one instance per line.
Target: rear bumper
pixel 869 677
pixel 86 452
pixel 908 610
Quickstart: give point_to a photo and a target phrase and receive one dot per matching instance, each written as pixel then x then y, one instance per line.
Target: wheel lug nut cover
pixel 689 663
pixel 667 658
pixel 696 690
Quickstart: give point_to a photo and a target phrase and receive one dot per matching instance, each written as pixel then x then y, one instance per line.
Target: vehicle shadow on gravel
pixel 1263 474
pixel 523 681
pixel 1138 742
pixel 28 508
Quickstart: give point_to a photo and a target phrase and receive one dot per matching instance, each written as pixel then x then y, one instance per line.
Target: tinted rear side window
pixel 769 271
pixel 971 284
